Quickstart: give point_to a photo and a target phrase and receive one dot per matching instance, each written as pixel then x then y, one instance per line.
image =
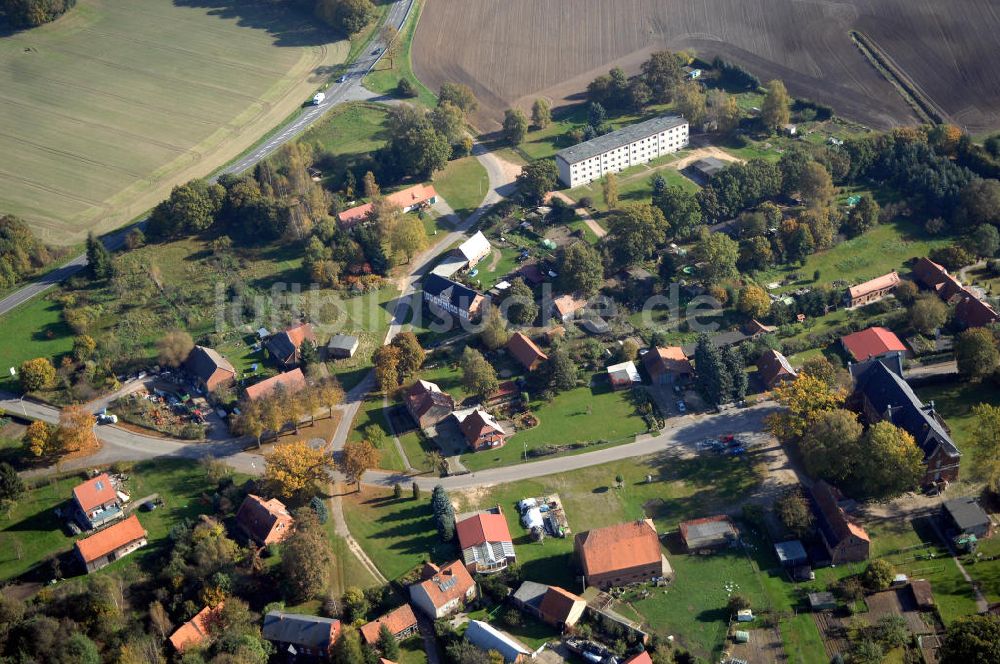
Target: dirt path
pixel 495 257
pixel 592 224
pixel 701 153
pixel 340 527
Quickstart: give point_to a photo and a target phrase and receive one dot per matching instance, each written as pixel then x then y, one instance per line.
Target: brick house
pixel 774 368
pixel 264 521
pixel 285 346
pixel 195 631
pixel 452 296
pixel 872 290
pixel 485 540
pixel 96 502
pixel 526 351
pixel 427 403
pixel 667 365
pixel 209 369
pixel 290 381
pixel 844 540
pixel 401 622
pixel 621 554
pixel 306 636
pixel 480 429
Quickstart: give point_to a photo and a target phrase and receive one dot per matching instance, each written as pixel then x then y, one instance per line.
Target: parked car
pixel 106 418
pixel 342 78
pixel 681 406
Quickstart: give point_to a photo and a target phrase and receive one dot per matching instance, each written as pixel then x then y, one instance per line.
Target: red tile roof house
pixel 96 502
pixel 567 306
pixel 195 631
pixel 481 431
pixel 485 540
pixel 561 608
pixel 411 198
pixel 309 636
pixel 871 291
pixel 667 365
pixel 774 368
pixel 401 622
pixel 264 521
pixel 290 381
pixel 845 541
pixel 641 658
pixel 970 311
pixel 934 277
pixel 427 404
pixel 526 351
pixel 622 554
pixel 210 370
pixel 443 590
pixel 117 541
pixel 873 343
pixel 284 346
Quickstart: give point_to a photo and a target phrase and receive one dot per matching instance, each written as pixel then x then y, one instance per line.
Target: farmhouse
pixel 667 365
pixel 210 370
pixel 526 351
pixel 621 554
pixel 970 311
pixel 290 381
pixel 872 343
pixel 551 604
pixel 485 541
pixel 105 547
pixel 844 540
pixel 623 375
pixel 195 631
pixel 443 590
pixel 452 296
pixel 342 346
pixel 629 146
pixel 774 368
pixel 427 404
pixel 309 636
pixel 871 291
pixel 968 518
pixel 411 198
pixel 881 395
pixel 487 637
pixel 264 521
pixel 96 502
pixel 401 623
pixel 284 346
pixel 935 277
pixel 711 532
pixel 481 431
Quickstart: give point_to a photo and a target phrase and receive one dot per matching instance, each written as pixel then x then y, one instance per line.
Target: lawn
pixel 32 529
pixel 954 401
pixel 583 414
pixel 463 183
pixel 882 249
pixel 371 417
pixel 34 329
pixel 635 184
pixel 349 129
pixel 125 99
pixel 490 273
pixel 385 77
pixel 802 640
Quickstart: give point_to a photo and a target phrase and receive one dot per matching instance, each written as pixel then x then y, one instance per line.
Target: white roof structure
pixel 475 247
pixel 625 369
pixel 451 264
pixel 460 415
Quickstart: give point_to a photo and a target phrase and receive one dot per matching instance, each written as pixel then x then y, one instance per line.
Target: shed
pixel 922 593
pixel 707 533
pixel 791 553
pixel 342 346
pixel 595 325
pixel 824 601
pixel 708 167
pixel 741 636
pixel 485 636
pixel 968 517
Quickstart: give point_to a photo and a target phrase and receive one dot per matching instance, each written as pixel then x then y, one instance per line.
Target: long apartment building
pixel 629 146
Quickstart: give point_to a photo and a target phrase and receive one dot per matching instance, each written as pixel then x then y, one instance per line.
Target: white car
pixel 318 98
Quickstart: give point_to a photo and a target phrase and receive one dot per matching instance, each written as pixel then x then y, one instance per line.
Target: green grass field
pixel 34 329
pixel 463 183
pixel 385 77
pixel 954 401
pixel 802 641
pixel 635 185
pixel 352 128
pixel 108 107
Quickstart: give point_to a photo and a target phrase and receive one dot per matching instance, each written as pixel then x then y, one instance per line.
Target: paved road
pixel 337 93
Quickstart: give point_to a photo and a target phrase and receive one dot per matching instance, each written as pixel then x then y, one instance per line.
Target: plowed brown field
pixel 511 51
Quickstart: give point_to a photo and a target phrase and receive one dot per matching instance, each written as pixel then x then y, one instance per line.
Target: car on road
pixel 737 451
pixel 318 98
pixel 106 418
pixel 376 51
pixel 342 78
pixel 681 406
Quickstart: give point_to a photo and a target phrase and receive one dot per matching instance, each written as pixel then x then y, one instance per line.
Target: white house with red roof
pixel 486 543
pixel 443 590
pixel 97 502
pixel 108 545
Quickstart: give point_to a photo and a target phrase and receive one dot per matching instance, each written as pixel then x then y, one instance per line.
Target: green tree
pixel 609 187
pixel 478 376
pixel 984 241
pixel 444 513
pixel 349 16
pixel 411 353
pixel 735 368
pixel 816 185
pixel 494 333
pixel 681 210
pixel 520 303
pixel 460 95
pixel 635 231
pixel 83 348
pixel 306 559
pixel 541 114
pixel 99 262
pixel 753 301
pixel 863 216
pixel 928 313
pixel 515 126
pixel 537 179
pixel 37 374
pixel 892 463
pixel 347 649
pixel 561 371
pixel 580 269
pixel 662 73
pixel 972 640
pixel 986 445
pixel 449 120
pixel 775 111
pixel 711 379
pixel 11 486
pixel 387 643
pixel 794 512
pixel 981 202
pixel 976 353
pixel 831 447
pixel 691 102
pixel 718 254
pixel 878 575
pixel 191 207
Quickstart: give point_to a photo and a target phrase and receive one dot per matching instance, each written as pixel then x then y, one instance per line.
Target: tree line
pixel 32 13
pixel 21 253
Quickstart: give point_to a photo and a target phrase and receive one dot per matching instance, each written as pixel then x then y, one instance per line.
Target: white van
pixel 318 98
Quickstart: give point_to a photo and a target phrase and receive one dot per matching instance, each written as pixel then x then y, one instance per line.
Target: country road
pixel 349 90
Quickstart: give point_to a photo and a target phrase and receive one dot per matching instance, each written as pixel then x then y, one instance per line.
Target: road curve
pixel 337 93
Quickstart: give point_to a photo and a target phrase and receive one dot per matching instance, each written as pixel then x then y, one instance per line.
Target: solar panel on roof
pixel 99 485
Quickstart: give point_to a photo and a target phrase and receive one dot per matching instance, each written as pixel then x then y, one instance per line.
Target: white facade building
pixel 629 146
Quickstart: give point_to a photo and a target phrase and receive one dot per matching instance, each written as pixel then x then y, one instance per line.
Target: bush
pixel 319 507
pixel 406 89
